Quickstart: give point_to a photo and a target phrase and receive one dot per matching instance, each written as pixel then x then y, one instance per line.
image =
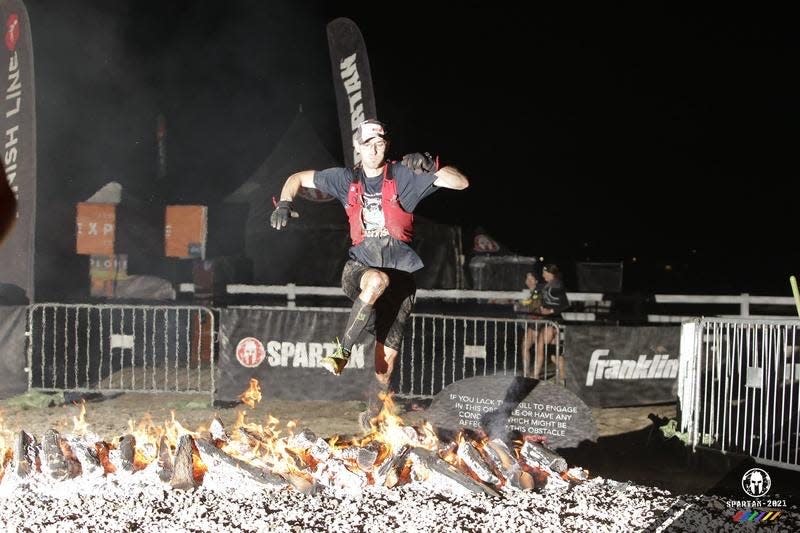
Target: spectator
pixel 547 301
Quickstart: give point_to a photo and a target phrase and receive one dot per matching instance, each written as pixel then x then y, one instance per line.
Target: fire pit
pixel 269 476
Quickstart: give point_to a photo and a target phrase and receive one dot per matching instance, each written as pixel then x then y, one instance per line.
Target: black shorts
pixel 392 308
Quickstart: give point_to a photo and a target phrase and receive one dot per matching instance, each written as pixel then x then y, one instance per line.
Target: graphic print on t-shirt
pixel 372 214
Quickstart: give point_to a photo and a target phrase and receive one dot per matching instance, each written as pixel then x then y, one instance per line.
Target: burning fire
pixel 252 395
pixel 391 454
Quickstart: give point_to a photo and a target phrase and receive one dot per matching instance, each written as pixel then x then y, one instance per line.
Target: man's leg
pixel 372 284
pixel 528 340
pixel 384 364
pixel 546 337
pixel 391 315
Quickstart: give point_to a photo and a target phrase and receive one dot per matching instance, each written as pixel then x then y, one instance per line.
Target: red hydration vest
pixel 399 223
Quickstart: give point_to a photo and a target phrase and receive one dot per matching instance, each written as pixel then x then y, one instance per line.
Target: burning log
pixel 59 459
pixel 321 450
pixel 386 473
pixel 164 460
pixel 212 455
pixel 305 485
pixel 336 475
pixel 536 454
pixel 217 431
pixel 302 441
pixel 188 469
pixel 500 458
pixel 472 459
pixel 576 474
pixel 365 459
pixel 432 465
pixel 127 452
pixel 85 454
pixel 26 458
pixel 102 449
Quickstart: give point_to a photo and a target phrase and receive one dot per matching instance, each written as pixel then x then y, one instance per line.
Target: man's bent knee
pixel 374 282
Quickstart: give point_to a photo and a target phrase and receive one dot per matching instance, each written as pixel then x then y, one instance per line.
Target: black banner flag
pixel 352 81
pixel 17 123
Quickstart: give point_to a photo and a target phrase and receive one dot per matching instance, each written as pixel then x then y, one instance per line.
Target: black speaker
pixel 599 277
pixel 500 273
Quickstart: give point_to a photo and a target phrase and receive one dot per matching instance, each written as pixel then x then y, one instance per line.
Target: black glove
pixel 421 162
pixel 280 217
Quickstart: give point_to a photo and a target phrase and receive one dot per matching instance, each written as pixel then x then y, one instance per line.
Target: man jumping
pixel 379 198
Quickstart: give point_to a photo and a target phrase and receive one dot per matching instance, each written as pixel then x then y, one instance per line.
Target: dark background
pixel 660 135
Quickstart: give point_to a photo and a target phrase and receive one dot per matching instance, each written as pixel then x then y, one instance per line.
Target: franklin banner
pixel 281 348
pixel 614 366
pixel 17 122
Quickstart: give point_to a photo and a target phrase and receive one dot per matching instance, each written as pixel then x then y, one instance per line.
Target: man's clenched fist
pixel 420 162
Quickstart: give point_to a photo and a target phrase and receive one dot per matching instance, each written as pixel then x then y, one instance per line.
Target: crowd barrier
pixel 738 387
pixel 439 350
pixel 115 348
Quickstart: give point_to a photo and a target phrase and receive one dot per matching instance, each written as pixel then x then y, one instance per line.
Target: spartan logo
pixel 250 352
pixel 756 482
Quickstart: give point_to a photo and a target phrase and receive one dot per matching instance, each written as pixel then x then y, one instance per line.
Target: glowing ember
pixel 252 395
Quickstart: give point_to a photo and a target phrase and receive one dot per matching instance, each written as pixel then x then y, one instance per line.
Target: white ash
pixel 140 502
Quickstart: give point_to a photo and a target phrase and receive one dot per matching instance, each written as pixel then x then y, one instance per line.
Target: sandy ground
pixel 109 415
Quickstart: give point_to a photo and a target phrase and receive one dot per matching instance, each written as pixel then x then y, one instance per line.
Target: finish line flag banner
pixel 17 121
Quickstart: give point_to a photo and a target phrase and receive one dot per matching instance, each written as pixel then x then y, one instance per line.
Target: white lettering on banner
pixel 352 85
pixel 659 367
pixel 14 98
pixel 308 354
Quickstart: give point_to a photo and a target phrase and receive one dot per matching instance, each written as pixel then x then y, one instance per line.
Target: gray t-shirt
pixel 378 249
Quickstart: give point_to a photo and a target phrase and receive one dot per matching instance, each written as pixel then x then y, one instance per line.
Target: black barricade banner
pixel 281 348
pixel 352 81
pixel 17 123
pixel 13 359
pixel 613 366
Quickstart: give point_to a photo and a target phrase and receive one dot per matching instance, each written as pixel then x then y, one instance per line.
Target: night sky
pixel 602 132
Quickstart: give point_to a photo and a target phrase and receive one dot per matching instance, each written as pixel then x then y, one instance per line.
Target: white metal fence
pixel 738 387
pixel 111 348
pixel 440 349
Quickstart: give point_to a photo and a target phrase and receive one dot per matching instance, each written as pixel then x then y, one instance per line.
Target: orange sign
pixel 185 231
pixel 95 228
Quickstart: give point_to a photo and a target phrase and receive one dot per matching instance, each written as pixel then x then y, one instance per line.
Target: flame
pixel 6 451
pixel 174 429
pixel 428 438
pixel 262 445
pixel 79 425
pixel 388 429
pixel 252 395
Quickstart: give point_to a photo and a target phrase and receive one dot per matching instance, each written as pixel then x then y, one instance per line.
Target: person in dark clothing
pixel 553 301
pixel 379 197
pixel 527 308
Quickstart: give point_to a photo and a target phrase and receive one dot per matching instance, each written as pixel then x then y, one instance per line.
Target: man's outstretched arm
pixel 450 178
pixel 283 209
pixel 304 178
